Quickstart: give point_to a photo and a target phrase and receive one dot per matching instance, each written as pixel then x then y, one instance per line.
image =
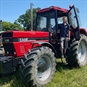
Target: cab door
pixel 74 20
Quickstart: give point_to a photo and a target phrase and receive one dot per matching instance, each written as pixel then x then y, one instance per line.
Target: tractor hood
pixel 17 43
pixel 25 34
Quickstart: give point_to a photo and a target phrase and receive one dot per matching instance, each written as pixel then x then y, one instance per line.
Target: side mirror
pixel 70 6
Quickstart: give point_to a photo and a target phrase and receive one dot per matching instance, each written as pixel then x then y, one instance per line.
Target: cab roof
pixel 53 8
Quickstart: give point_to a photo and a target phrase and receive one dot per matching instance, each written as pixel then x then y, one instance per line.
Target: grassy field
pixel 64 77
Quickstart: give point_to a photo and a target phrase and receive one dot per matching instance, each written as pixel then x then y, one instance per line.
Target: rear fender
pixel 83 31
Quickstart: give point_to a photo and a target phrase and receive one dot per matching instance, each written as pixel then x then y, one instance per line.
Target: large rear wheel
pixel 38 67
pixel 77 54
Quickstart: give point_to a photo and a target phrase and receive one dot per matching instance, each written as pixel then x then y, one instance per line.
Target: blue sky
pixel 10 10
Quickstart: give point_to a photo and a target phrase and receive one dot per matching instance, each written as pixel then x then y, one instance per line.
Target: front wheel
pixel 38 67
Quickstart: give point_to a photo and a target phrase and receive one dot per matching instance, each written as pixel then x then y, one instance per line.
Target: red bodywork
pixel 22 47
pixel 54 8
pixel 29 34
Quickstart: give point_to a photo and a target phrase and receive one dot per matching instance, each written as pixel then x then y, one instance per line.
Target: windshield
pixel 45 21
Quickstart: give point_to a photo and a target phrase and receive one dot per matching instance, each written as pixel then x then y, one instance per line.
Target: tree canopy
pixel 25 19
pixel 10 26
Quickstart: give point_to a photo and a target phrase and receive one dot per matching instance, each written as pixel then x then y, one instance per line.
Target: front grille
pixel 6 40
pixel 9 48
pixel 8 34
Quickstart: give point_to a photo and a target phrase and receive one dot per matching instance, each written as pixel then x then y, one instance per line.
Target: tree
pixel 17 25
pixel 25 19
pixel 10 26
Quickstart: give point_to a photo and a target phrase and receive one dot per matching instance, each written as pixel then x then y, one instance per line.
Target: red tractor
pixel 36 51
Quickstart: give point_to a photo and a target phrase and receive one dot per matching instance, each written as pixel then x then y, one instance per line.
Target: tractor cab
pixel 49 19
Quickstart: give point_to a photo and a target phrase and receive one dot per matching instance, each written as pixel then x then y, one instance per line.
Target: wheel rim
pixel 43 68
pixel 82 51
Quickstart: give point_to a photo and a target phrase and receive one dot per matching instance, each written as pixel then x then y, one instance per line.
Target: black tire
pixel 74 58
pixel 28 71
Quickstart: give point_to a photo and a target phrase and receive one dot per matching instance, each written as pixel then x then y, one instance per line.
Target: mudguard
pixel 39 43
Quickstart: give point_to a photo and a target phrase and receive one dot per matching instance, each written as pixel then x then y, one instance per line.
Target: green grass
pixel 64 77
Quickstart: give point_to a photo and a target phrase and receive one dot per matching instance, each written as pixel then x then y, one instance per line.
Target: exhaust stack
pixel 31 9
